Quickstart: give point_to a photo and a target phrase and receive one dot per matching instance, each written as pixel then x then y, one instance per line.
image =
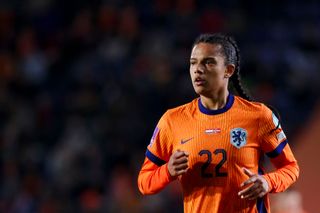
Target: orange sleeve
pixel 154 174
pixel 275 145
pixel 152 178
pixel 286 173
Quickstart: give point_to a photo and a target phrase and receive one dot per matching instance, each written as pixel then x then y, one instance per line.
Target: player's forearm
pixel 282 178
pixel 153 178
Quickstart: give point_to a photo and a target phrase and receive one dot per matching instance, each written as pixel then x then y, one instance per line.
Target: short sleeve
pixel 272 138
pixel 160 148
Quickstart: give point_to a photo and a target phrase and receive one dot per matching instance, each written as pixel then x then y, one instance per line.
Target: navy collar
pixel 204 110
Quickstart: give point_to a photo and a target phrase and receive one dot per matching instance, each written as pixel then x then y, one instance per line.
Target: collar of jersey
pixel 204 110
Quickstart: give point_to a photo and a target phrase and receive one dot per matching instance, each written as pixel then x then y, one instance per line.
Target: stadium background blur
pixel 83 84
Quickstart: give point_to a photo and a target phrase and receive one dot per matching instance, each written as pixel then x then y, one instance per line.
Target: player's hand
pixel 257 186
pixel 178 163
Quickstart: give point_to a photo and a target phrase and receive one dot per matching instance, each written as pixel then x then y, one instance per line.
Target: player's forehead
pixel 202 49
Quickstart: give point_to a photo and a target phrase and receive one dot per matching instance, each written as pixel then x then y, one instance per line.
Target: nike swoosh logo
pixel 185 141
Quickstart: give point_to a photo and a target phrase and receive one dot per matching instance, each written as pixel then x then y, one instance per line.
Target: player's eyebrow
pixel 210 58
pixel 205 59
pixel 193 58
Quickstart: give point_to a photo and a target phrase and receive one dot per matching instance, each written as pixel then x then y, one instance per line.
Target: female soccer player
pixel 214 144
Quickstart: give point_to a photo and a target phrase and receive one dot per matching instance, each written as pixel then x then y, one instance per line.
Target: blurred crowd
pixel 83 84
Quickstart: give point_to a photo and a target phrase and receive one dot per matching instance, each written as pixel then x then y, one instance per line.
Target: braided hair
pixel 231 52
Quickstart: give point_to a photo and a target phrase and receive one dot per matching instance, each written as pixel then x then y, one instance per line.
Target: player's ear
pixel 229 70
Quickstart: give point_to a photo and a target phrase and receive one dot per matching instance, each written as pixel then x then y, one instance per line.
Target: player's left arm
pixel 286 173
pixel 274 143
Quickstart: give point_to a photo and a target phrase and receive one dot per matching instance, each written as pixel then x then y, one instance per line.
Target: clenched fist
pixel 178 163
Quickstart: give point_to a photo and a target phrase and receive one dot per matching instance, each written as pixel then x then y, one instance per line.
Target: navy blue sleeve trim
pixel 154 159
pixel 278 150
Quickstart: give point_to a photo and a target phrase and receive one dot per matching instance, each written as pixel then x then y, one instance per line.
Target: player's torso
pixel 219 147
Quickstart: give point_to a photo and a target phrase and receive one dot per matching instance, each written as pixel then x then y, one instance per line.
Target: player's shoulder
pixel 182 110
pixel 253 106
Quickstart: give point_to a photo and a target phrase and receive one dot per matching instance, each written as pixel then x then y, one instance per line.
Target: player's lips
pixel 198 81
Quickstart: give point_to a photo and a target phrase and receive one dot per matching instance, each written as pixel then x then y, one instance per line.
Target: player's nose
pixel 199 69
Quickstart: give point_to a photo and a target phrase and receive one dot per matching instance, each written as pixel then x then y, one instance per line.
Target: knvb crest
pixel 238 137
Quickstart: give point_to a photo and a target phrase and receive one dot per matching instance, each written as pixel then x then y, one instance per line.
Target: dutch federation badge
pixel 238 137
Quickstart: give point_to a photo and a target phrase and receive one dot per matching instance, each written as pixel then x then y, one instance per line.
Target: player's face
pixel 208 70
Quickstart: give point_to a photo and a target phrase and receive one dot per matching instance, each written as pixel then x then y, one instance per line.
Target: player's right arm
pixel 152 177
pixel 162 163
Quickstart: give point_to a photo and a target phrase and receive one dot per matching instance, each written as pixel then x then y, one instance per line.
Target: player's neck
pixel 215 101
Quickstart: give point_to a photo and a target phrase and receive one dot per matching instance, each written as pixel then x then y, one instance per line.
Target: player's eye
pixel 192 63
pixel 209 62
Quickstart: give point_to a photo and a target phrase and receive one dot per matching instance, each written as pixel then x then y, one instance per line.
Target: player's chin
pixel 199 90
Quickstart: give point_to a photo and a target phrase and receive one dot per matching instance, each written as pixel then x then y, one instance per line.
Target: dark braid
pixel 277 114
pixel 231 52
pixel 236 78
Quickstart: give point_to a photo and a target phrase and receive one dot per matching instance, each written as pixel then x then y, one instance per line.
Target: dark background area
pixel 83 84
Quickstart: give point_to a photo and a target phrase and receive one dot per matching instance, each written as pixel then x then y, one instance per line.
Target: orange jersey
pixel 220 144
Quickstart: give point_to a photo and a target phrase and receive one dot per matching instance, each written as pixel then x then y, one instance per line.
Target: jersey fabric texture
pixel 220 144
